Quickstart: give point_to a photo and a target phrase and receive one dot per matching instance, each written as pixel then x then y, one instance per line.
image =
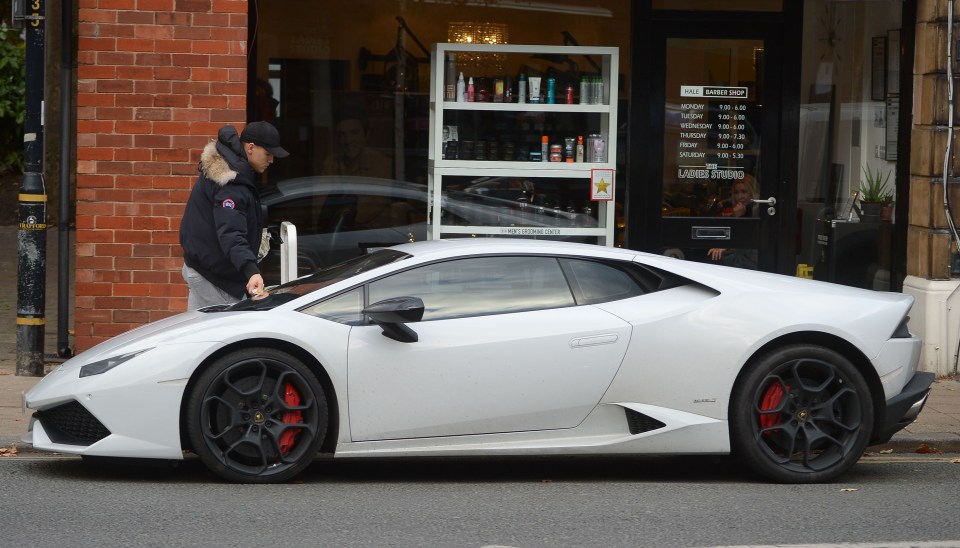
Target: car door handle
pixel 594 340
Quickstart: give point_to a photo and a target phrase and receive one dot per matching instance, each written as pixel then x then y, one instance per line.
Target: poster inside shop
pixel 601 185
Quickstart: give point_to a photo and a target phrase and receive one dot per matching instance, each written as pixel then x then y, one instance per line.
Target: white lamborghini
pixel 501 347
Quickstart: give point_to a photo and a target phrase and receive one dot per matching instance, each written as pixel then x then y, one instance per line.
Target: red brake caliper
pixel 287 439
pixel 771 399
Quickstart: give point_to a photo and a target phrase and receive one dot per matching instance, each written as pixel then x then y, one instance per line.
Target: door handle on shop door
pixel 771 201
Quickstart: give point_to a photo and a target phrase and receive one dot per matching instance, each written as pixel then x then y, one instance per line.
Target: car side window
pixel 480 286
pixel 343 308
pixel 598 282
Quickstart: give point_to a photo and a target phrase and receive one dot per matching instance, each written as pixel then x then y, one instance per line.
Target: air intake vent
pixel 71 424
pixel 640 423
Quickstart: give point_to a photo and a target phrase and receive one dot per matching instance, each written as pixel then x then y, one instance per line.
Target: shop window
pixel 850 101
pixel 347 81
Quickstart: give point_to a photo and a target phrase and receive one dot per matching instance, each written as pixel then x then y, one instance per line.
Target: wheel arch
pixel 333 411
pixel 837 344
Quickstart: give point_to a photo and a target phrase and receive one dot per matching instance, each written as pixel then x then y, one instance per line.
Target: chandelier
pixel 472 32
pixel 468 32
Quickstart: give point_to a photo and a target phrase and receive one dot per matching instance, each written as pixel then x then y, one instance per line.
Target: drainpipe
pixel 947 153
pixel 946 171
pixel 66 167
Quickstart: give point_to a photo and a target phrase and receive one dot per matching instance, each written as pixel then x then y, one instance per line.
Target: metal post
pixel 288 252
pixel 32 235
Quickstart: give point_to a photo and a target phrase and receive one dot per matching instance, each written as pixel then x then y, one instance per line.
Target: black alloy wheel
pixel 802 414
pixel 257 415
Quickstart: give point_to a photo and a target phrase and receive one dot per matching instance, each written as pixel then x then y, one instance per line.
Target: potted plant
pixel 874 194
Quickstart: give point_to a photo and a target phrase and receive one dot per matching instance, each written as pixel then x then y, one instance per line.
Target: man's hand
pixel 255 285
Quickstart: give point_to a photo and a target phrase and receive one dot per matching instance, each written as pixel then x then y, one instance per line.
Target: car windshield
pixel 321 278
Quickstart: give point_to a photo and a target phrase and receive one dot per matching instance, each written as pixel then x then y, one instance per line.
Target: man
pixel 353 156
pixel 221 227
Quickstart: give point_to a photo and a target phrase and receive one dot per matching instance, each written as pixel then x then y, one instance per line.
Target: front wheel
pixel 257 415
pixel 801 414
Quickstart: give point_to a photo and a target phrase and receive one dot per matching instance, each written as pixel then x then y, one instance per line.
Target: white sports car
pixel 501 347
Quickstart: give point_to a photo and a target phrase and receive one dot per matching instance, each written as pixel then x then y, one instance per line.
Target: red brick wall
pixel 156 80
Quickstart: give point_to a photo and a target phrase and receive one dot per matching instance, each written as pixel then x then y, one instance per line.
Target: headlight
pixel 103 366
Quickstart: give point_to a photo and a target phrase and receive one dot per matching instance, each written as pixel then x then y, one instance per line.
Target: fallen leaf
pixel 924 448
pixel 886 451
pixel 8 451
pixel 955 461
pixel 848 489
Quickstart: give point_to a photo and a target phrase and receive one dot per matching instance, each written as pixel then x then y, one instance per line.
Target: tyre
pixel 257 415
pixel 801 414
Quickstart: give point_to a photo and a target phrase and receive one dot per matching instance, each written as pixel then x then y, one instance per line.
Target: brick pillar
pixel 156 80
pixel 929 241
pixel 936 312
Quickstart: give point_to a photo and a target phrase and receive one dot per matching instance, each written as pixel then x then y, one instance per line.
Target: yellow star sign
pixel 601 184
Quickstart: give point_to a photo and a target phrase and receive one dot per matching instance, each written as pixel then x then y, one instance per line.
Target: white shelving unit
pixel 546 220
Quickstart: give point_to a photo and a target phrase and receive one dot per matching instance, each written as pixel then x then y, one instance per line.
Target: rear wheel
pixel 801 414
pixel 257 415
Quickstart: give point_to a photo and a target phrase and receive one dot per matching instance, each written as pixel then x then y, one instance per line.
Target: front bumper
pixel 132 410
pixel 902 409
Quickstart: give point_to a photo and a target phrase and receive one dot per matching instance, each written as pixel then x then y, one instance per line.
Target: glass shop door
pixel 721 197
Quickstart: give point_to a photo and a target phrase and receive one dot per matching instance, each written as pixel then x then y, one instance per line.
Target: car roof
pixel 318 184
pixel 720 278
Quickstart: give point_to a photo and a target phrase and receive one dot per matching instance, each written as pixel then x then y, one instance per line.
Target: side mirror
pixel 392 315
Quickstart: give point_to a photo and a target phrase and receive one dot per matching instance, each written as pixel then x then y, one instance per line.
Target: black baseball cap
pixel 265 135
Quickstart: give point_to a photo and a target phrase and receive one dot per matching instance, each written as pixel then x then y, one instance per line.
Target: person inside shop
pixel 353 156
pixel 742 193
pixel 740 204
pixel 265 104
pixel 221 231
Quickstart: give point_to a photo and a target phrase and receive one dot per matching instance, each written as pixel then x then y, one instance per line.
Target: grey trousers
pixel 202 292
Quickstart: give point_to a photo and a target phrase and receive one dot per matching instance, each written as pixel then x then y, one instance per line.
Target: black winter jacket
pixel 221 226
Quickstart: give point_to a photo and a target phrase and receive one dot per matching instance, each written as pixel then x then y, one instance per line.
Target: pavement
pixel 936 430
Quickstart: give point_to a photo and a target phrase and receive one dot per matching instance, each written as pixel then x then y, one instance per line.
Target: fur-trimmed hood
pixel 214 166
pixel 222 160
